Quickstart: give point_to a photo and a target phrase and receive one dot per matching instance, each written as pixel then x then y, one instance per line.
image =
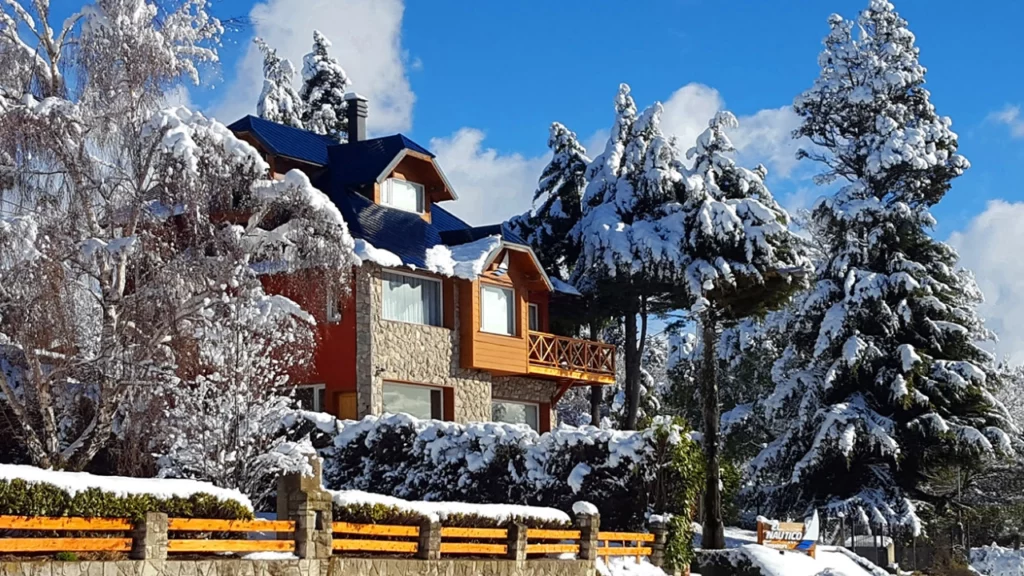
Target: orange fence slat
pixel 473 532
pixel 552 548
pixel 626 536
pixel 63 523
pixel 375 546
pixel 65 544
pixel 467 548
pixel 231 546
pixel 375 529
pixel 210 525
pixel 553 534
pixel 623 551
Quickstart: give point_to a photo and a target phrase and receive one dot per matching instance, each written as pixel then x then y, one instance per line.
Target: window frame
pixel 431 388
pixel 317 388
pixel 533 313
pixel 535 405
pixel 421 199
pixel 440 296
pixel 513 333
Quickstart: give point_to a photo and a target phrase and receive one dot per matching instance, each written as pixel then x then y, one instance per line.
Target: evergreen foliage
pixel 883 383
pixel 279 102
pixel 324 84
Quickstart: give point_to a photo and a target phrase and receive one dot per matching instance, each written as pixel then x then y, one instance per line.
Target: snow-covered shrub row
pixel 29 491
pixel 997 561
pixel 628 475
pixel 367 508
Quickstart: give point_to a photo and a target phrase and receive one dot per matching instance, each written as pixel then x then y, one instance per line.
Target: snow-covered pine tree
pixel 883 384
pixel 324 84
pixel 279 102
pixel 557 204
pixel 628 257
pixel 742 261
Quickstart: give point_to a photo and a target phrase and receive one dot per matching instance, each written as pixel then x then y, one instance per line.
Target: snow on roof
pixel 564 287
pixel 74 482
pixel 369 253
pixel 465 261
pixel 439 511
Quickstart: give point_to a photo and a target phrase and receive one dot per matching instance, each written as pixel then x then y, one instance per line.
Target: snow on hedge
pixel 440 511
pixel 997 561
pixel 74 482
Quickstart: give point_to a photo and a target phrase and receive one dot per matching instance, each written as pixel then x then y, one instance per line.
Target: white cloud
pixel 1011 117
pixel 367 41
pixel 764 137
pixel 491 186
pixel 987 247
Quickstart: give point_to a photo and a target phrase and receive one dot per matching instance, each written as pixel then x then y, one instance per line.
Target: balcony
pixel 571 359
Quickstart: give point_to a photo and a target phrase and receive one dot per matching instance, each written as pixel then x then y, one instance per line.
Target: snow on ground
pixel 997 561
pixel 74 482
pixel 438 511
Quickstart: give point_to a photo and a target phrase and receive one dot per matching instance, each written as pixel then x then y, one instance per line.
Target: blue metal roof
pixel 287 141
pixel 352 165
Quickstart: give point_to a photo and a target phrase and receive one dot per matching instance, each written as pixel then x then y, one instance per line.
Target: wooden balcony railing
pixel 572 358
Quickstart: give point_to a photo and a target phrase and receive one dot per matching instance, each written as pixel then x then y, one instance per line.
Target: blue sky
pixel 509 69
pixel 479 83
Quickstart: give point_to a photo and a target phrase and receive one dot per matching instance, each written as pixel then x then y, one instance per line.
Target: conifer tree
pixel 742 260
pixel 883 384
pixel 629 257
pixel 324 84
pixel 278 101
pixel 557 204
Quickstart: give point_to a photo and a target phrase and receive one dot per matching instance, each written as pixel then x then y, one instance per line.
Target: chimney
pixel 356 115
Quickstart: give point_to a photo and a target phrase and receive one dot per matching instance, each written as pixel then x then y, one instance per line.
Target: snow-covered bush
pixel 627 474
pixel 29 491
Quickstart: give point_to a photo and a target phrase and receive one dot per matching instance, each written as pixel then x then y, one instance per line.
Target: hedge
pixel 20 498
pixel 393 515
pixel 628 475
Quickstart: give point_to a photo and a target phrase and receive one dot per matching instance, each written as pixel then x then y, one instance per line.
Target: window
pixel 333 311
pixel 498 310
pixel 413 299
pixel 417 401
pixel 516 413
pixel 534 318
pixel 403 195
pixel 311 397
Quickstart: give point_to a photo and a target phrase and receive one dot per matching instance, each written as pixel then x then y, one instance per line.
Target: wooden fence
pixel 209 536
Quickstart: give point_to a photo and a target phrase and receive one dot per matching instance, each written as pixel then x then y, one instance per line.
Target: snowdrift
pixel 756 560
pixel 997 561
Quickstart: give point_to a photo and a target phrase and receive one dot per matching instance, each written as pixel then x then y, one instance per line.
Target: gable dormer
pixel 390 171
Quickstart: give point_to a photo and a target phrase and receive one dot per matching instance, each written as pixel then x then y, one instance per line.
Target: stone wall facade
pixel 418 354
pixel 332 567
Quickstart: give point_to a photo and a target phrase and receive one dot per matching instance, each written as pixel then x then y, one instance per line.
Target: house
pixel 444 320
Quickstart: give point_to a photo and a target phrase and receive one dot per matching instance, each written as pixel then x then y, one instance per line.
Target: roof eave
pixel 433 161
pixel 521 248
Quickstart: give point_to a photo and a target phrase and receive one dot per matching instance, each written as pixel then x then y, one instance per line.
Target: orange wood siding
pixel 495 353
pixel 541 299
pixel 334 357
pixel 419 169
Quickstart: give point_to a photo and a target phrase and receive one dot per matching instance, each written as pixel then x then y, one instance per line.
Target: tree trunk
pixel 596 392
pixel 714 528
pixel 631 353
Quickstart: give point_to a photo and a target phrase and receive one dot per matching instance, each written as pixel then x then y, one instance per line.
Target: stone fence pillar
pixel 302 499
pixel 660 531
pixel 429 547
pixel 516 542
pixel 149 538
pixel 588 525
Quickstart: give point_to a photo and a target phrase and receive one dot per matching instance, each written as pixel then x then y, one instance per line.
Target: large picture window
pixel 413 299
pixel 497 310
pixel 418 401
pixel 403 195
pixel 516 413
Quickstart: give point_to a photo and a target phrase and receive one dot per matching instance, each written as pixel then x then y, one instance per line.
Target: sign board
pixel 789 535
